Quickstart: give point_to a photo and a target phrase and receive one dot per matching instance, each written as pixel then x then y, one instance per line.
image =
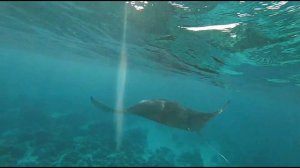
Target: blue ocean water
pixel 56 55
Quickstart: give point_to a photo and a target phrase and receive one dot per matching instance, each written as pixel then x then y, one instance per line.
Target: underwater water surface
pixel 56 55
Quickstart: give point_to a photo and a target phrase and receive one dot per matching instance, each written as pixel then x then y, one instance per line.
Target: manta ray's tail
pixel 224 106
pixel 101 105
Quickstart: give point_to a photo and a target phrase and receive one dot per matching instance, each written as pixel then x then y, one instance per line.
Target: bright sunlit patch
pixel 215 27
pixel 243 14
pixel 232 35
pixel 177 5
pixel 277 5
pixel 138 5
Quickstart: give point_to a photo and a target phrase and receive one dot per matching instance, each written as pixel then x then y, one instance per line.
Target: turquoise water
pixel 55 55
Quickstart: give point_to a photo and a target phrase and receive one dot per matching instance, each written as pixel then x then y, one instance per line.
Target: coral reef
pixel 162 157
pixel 76 140
pixel 191 158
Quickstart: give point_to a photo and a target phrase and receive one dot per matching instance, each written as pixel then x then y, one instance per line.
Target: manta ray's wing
pixel 150 109
pixel 199 119
pixel 101 105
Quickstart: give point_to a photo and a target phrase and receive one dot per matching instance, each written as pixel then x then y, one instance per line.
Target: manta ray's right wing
pixel 101 105
pixel 224 106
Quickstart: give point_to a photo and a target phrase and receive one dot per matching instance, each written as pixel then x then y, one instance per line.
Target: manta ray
pixel 166 112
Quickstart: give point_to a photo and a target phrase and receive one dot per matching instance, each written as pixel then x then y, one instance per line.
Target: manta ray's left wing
pixel 101 105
